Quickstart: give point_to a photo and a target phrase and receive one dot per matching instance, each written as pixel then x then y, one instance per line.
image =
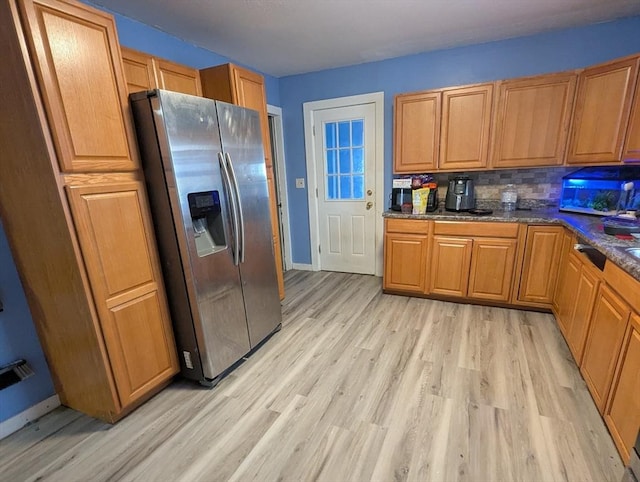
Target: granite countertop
pixel 584 226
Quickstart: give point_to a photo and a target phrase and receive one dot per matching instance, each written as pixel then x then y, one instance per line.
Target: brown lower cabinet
pixel 604 338
pixel 540 265
pixel 585 296
pixel 574 300
pixel 130 302
pixel 462 260
pixel 622 414
pixel 450 264
pixel 406 247
pixel 597 314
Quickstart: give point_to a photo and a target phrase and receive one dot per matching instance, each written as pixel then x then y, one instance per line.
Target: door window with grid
pixel 344 160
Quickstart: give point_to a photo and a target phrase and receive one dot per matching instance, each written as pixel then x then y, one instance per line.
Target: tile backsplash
pixel 536 187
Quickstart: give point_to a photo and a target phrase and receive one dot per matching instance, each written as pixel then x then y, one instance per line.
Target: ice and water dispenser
pixel 207 221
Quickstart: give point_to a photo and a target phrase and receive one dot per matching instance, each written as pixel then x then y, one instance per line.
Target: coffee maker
pixel 400 196
pixel 460 195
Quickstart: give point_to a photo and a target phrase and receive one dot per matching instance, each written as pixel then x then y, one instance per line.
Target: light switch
pixel 300 182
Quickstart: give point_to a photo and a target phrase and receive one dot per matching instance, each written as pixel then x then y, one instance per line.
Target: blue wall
pixel 537 54
pixel 18 339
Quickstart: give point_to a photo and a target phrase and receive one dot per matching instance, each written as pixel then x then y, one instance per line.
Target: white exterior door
pixel 344 151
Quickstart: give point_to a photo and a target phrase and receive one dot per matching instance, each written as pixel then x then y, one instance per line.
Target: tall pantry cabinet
pixel 75 210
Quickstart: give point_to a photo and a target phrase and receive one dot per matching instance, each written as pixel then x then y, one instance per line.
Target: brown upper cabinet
pixel 632 143
pixel 571 118
pixel 233 84
pixel 532 120
pixel 416 132
pixel 466 120
pixel 601 114
pixel 84 98
pixel 178 78
pixel 138 70
pixel 143 72
pixel 245 88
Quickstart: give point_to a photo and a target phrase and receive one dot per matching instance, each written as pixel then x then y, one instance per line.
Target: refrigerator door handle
pixel 234 179
pixel 234 209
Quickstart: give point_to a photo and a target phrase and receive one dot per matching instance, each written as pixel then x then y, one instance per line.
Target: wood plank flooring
pixel 357 386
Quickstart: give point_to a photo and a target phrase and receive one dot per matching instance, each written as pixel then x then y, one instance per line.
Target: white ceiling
pixel 285 37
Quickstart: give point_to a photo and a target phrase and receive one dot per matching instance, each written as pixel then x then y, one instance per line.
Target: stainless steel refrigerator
pixel 204 168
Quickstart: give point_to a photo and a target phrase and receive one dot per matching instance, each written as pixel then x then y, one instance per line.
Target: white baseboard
pixel 302 267
pixel 16 422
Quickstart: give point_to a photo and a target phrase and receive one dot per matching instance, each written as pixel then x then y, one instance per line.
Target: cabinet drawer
pixel 623 283
pixel 416 226
pixel 458 228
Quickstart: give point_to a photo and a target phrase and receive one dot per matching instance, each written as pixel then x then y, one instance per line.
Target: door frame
pixel 376 98
pixel 281 183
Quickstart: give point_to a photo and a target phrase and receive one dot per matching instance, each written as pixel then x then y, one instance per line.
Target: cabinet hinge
pixel 314 130
pixel 319 249
pixel 316 192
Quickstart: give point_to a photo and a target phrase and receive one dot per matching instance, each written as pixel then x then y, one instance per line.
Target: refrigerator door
pixel 242 144
pixel 189 141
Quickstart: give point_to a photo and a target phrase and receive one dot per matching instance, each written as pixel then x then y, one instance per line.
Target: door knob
pixel 369 205
pixel 369 192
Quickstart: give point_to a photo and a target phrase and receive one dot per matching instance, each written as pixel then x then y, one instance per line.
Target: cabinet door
pixel 604 338
pixel 565 251
pixel 466 119
pixel 584 298
pixel 601 114
pixel 564 297
pixel 138 70
pixel 450 265
pixel 623 409
pixel 492 264
pixel 77 59
pixel 405 262
pixel 115 233
pixel 248 88
pixel 416 132
pixel 176 77
pixel 632 142
pixel 532 121
pixel 540 265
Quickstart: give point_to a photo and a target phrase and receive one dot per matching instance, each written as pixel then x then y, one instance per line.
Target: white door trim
pixel 376 98
pixel 281 180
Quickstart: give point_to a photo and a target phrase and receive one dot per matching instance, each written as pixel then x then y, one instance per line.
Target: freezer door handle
pixel 234 209
pixel 234 179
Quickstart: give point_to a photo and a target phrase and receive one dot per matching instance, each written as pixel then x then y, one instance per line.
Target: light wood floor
pixel 357 386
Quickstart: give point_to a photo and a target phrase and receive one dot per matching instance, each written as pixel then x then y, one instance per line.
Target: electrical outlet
pixel 300 182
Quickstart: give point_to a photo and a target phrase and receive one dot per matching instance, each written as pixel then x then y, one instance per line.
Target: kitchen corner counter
pixel 586 227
